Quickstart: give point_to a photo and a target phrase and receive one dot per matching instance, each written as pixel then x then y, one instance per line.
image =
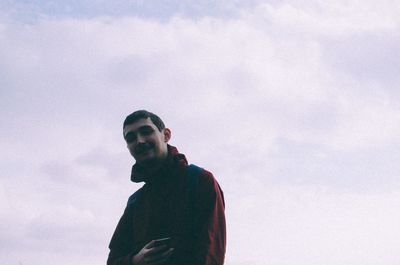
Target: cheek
pixel 130 148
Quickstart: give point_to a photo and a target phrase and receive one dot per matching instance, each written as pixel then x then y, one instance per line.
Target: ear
pixel 167 134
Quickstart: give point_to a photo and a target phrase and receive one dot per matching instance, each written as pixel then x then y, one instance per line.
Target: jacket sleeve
pixel 210 235
pixel 121 245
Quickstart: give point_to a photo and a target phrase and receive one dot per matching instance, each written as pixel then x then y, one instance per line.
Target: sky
pixel 293 105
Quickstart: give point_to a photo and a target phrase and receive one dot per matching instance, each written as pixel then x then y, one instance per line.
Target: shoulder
pixel 206 182
pixel 203 176
pixel 132 199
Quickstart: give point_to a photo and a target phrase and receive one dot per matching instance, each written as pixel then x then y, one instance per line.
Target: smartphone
pixel 162 241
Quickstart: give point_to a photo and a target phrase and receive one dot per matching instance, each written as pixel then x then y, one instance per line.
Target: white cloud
pixel 332 17
pixel 270 101
pixel 303 225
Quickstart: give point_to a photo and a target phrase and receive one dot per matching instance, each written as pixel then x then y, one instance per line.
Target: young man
pixel 177 217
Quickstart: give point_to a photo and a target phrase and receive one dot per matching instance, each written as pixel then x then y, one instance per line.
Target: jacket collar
pixel 174 160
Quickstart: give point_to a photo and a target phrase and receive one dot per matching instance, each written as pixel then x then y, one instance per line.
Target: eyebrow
pixel 138 129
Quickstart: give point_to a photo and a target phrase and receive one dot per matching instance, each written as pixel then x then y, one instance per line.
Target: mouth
pixel 143 149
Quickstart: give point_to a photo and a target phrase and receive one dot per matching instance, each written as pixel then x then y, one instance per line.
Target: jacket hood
pixel 173 160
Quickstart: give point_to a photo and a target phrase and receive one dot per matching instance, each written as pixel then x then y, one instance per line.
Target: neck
pixel 152 166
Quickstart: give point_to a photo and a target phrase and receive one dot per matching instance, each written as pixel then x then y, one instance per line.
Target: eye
pixel 130 138
pixel 146 131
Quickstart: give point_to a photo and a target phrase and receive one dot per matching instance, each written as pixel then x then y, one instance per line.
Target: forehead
pixel 137 124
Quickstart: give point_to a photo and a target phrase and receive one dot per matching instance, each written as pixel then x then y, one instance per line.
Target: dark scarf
pixel 174 161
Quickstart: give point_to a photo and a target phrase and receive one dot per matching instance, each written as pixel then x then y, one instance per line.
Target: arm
pixel 121 245
pixel 210 238
pixel 123 250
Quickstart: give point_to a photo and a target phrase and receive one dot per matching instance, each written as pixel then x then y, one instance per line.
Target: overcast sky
pixel 293 105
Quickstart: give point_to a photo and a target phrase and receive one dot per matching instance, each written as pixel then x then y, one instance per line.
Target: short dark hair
pixel 144 114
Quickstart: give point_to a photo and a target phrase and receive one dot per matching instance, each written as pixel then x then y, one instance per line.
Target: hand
pixel 152 255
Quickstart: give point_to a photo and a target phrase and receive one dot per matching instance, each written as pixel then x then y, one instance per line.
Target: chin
pixel 148 161
pixel 143 157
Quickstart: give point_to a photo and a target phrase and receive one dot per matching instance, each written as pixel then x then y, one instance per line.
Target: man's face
pixel 145 142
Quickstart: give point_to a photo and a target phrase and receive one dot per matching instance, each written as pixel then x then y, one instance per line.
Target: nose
pixel 140 138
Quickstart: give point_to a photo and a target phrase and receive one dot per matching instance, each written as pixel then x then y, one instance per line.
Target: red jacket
pixel 164 208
